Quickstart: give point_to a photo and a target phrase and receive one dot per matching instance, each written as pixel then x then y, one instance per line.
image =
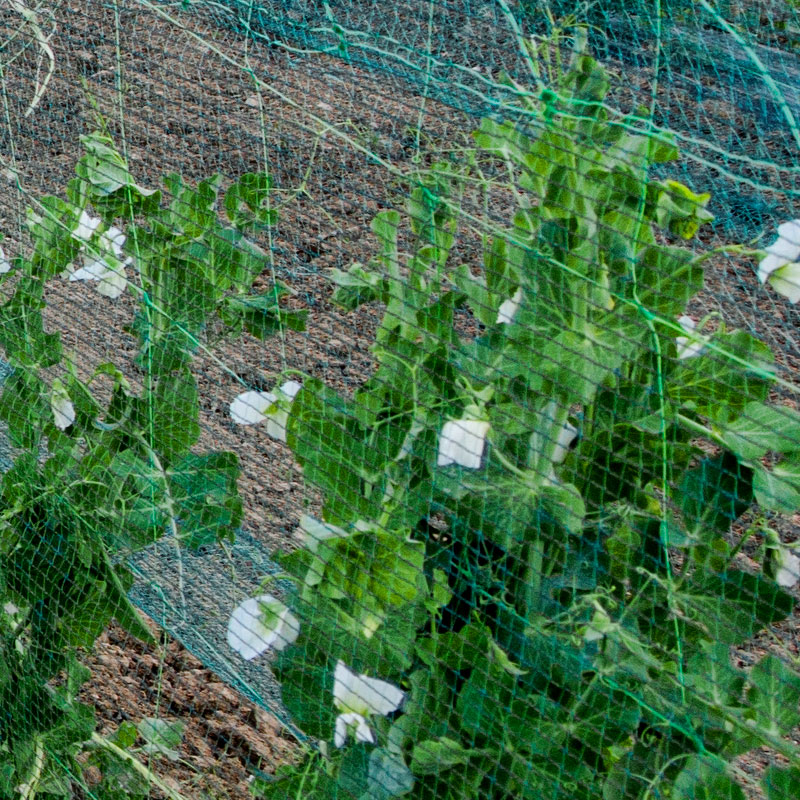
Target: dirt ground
pixel 190 107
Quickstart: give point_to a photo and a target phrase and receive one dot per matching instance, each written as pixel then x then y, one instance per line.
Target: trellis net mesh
pixel 445 444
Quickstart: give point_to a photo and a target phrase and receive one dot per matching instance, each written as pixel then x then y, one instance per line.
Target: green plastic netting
pixel 399 399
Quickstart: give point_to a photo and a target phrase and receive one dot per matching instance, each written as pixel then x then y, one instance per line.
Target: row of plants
pixel 524 582
pixel 102 469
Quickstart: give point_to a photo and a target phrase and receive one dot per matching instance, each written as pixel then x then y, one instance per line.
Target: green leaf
pixel 307 692
pixel 738 374
pixel 681 210
pixel 205 492
pixel 247 202
pixel 433 756
pixel 104 169
pixel 483 305
pixel 623 547
pixel 713 494
pixel 22 333
pixel 778 488
pixel 564 503
pixel 733 606
pixel 455 651
pixel 307 782
pixel 161 737
pixel 168 353
pixel 353 770
pixel 388 775
pixel 575 364
pixel 233 261
pixel 666 279
pixel 24 408
pixel 385 226
pixel 124 611
pixel 125 735
pixel 502 273
pixel 502 139
pixel 51 232
pixel 762 428
pixel 262 314
pixel 175 406
pixel 191 211
pixel 710 674
pixel 357 286
pixel 705 778
pixel 74 726
pixel 781 783
pixel 774 691
pixel 325 436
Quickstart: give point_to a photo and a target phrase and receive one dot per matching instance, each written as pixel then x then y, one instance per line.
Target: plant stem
pixel 146 773
pixel 27 791
pixel 533 576
pixel 169 505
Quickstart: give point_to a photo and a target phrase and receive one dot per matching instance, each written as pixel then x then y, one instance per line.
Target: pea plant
pixel 525 581
pixel 102 469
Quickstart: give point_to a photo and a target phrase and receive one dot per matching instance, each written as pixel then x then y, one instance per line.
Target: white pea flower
pixel 109 272
pixel 462 442
pixel 358 697
pixel 316 532
pixel 565 438
pixel 61 406
pixel 788 567
pixel 250 408
pixel 106 266
pixel 87 225
pixel 508 308
pixel 5 264
pixel 781 266
pixel 261 623
pixel 113 239
pixel 691 345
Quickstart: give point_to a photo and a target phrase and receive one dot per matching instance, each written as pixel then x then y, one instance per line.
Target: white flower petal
pixel 787 245
pixel 5 264
pixel 340 734
pixel 248 634
pixel 508 308
pixel 316 532
pixel 290 389
pixel 344 722
pixel 113 283
pixel 249 408
pixel 363 731
pixel 788 573
pixel 276 424
pixel 768 265
pixel 687 323
pixel 277 420
pixel 462 442
pixel 61 406
pixel 287 632
pixel 93 269
pixel 363 695
pixel 786 281
pixel 87 225
pixel 114 240
pixel 565 439
pixel 689 346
